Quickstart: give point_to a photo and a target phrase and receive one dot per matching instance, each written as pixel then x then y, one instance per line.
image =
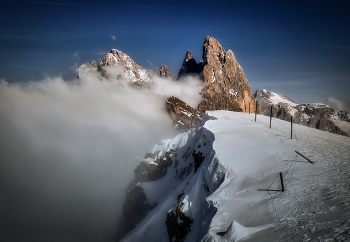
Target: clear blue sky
pixel 297 48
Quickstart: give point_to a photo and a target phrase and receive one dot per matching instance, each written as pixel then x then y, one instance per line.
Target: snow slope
pixel 317 115
pixel 242 156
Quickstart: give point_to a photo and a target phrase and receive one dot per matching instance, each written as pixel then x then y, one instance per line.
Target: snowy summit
pixel 221 182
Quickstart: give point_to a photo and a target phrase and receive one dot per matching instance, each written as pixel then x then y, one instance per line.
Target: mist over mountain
pixel 68 153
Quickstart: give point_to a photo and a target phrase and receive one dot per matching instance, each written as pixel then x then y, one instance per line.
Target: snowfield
pixel 226 197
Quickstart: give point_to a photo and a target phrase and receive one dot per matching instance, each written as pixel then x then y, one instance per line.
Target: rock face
pixel 135 208
pixel 168 159
pixel 184 117
pixel 315 115
pixel 164 71
pixel 117 65
pixel 177 231
pixel 225 84
pixel 136 205
pixel 189 66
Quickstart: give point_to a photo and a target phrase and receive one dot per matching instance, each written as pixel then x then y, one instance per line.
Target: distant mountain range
pixel 225 87
pixel 314 115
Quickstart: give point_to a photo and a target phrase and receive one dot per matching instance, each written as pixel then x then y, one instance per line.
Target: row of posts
pixel 291 136
pixel 256 111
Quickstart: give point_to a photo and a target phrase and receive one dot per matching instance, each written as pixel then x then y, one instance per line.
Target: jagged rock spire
pixel 189 66
pixel 164 71
pixel 225 84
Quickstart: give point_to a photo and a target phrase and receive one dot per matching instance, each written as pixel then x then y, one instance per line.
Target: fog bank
pixel 68 152
pixel 338 104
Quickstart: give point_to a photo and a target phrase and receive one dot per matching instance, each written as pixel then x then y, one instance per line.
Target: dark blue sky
pixel 297 48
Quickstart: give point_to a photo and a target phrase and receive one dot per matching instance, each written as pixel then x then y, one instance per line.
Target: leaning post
pixel 282 181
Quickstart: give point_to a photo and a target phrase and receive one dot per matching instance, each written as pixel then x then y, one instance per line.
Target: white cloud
pixel 153 66
pixel 76 55
pixel 338 104
pixel 68 151
pixel 101 53
pixel 113 37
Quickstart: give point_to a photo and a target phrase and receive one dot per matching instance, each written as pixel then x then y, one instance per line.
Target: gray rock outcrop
pixel 315 115
pixel 164 71
pixel 184 116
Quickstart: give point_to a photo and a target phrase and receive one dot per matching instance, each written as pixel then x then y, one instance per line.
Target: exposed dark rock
pixel 327 125
pixel 164 71
pixel 189 66
pixel 184 117
pixel 135 208
pixel 178 224
pixel 317 115
pixel 158 171
pixel 198 159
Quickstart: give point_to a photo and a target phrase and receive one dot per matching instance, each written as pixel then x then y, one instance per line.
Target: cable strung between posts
pixel 294 161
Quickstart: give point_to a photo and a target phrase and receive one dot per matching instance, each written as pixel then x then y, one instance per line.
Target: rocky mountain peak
pixel 164 71
pixel 132 72
pixel 123 68
pixel 189 56
pixel 211 45
pixel 225 84
pixel 189 66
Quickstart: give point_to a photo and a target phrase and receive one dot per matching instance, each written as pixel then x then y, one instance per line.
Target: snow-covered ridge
pixel 317 115
pixel 275 98
pixel 219 199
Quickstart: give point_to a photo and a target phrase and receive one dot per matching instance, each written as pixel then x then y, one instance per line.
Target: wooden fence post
pixel 304 157
pixel 282 181
pixel 270 116
pixel 291 127
pixel 256 108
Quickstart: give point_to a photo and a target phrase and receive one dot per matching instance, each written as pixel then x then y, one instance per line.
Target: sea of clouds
pixel 68 152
